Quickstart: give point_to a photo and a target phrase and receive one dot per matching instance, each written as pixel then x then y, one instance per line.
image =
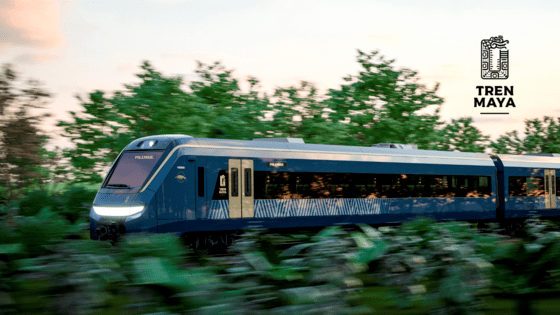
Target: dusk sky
pixel 77 47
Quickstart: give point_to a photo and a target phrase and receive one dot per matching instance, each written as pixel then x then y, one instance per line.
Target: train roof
pixel 296 149
pixel 547 160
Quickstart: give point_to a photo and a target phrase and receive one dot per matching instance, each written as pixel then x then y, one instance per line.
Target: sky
pixel 77 47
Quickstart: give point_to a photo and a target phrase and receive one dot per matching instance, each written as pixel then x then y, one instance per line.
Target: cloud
pixel 31 23
pixel 34 58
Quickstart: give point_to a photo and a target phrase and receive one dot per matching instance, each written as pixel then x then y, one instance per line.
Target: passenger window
pixel 299 185
pixel 521 186
pixel 234 183
pixel 248 182
pixel 201 181
pixel 535 187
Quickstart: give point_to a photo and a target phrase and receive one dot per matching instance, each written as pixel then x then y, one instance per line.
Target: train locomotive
pixel 210 188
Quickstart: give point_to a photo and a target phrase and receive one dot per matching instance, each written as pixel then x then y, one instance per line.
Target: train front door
pixel 550 189
pixel 241 199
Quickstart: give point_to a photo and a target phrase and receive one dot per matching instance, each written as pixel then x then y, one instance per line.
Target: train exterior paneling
pixel 531 186
pixel 189 188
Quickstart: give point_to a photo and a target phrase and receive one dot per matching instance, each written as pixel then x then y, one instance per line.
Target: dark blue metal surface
pixel 178 226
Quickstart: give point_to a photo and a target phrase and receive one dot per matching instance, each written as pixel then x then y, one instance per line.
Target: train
pixel 208 189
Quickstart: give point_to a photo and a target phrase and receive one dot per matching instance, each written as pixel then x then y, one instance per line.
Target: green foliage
pixel 235 114
pixel 22 155
pixel 436 264
pixel 540 137
pixel 158 105
pixel 382 104
pixel 316 276
pixel 461 136
pixel 36 200
pixel 379 104
pixel 71 204
pixel 525 266
pixel 159 245
pixel 439 265
pixel 313 124
pixel 79 277
pixel 76 203
pixel 371 243
pixel 41 230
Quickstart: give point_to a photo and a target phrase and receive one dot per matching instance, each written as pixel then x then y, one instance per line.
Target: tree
pixel 382 104
pixel 312 124
pixel 236 115
pixel 540 137
pixel 157 105
pixel 23 155
pixel 461 136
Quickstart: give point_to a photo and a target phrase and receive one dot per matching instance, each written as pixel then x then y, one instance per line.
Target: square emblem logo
pixel 494 57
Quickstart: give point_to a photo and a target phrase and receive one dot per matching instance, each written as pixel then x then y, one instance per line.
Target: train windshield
pixel 133 169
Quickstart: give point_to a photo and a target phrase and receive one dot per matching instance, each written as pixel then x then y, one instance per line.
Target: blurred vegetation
pixel 540 137
pixel 418 268
pixel 23 159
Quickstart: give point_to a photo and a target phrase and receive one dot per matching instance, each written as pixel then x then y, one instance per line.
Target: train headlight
pixel 118 211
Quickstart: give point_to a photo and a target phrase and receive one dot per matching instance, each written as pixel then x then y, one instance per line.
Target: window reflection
pixel 300 185
pixel 520 186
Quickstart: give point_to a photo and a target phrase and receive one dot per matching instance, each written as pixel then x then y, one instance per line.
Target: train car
pixel 194 186
pixel 529 184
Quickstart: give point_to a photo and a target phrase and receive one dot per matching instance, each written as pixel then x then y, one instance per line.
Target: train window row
pixel 306 185
pixel 521 186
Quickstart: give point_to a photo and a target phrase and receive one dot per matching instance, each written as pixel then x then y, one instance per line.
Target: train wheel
pixel 226 240
pixel 513 226
pixel 205 244
pixel 200 245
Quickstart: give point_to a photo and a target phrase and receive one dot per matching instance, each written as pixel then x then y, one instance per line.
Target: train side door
pixel 550 189
pixel 241 199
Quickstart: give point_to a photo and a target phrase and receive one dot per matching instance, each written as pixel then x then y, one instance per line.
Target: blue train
pixel 208 188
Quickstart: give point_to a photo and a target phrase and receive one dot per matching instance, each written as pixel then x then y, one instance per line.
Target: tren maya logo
pixel 494 65
pixel 494 58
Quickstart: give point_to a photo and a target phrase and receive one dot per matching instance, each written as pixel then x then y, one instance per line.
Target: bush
pixel 36 200
pixel 71 204
pixel 76 202
pixel 36 233
pixel 437 264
